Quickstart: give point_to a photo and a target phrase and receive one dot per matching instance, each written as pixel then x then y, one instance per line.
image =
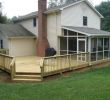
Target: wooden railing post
pixel 42 68
pixel 69 58
pixel 12 69
pixel 89 61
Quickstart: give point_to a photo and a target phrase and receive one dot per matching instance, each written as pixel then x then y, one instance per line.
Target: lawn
pixel 89 85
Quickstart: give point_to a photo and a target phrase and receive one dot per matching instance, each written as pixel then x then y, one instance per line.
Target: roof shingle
pixel 14 30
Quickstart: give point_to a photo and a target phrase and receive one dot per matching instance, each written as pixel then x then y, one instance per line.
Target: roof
pixel 14 30
pixel 87 31
pixel 27 16
pixel 56 9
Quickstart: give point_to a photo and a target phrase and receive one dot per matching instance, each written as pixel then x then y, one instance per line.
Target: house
pixel 70 28
pixel 17 40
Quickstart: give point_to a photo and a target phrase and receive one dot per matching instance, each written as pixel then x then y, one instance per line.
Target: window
pixel 34 22
pixel 85 20
pixel 1 44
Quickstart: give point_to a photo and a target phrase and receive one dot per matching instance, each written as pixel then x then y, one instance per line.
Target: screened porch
pixel 72 42
pixel 80 40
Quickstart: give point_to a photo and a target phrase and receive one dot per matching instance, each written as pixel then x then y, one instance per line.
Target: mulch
pixel 4 77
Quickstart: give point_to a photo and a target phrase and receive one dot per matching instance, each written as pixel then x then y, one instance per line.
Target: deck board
pixel 27 64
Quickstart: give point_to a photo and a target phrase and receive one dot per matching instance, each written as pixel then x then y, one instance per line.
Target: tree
pixel 3 18
pixel 104 9
pixel 54 3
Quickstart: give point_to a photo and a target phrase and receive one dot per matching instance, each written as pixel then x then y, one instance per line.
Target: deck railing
pixel 7 63
pixel 4 51
pixel 59 64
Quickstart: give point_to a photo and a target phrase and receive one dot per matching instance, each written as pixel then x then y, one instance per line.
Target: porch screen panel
pixel 100 44
pixel 63 45
pixel 106 43
pixel 106 48
pixel 93 49
pixel 94 44
pixel 82 46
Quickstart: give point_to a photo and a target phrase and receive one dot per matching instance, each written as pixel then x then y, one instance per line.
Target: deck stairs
pixel 27 69
pixel 30 77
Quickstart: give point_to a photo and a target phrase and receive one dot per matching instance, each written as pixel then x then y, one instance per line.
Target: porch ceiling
pixel 87 31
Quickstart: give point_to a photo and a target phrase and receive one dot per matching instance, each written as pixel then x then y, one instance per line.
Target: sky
pixel 12 8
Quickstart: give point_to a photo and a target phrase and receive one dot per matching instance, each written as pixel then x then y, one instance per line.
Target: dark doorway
pixel 72 45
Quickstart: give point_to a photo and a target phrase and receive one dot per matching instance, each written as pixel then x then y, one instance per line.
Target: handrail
pixel 6 55
pixel 65 55
pixel 4 51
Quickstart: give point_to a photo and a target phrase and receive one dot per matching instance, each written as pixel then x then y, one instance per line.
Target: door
pixel 81 45
pixel 81 49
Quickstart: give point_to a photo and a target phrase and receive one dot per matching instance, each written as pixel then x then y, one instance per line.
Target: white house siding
pixel 28 24
pixel 22 47
pixel 53 29
pixel 73 16
pixel 5 41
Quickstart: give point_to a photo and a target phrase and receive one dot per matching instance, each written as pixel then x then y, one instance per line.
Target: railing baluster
pixel 60 63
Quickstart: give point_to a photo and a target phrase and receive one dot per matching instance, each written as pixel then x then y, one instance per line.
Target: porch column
pixel 59 45
pixel 67 42
pixel 97 49
pixel 77 43
pixel 89 44
pixel 103 48
pixel 109 49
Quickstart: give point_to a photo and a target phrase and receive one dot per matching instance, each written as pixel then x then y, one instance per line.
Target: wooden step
pixel 27 73
pixel 26 80
pixel 28 76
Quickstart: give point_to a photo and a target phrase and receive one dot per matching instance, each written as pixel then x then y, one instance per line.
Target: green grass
pixel 89 85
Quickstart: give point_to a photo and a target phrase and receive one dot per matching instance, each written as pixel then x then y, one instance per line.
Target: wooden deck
pixel 32 68
pixel 31 64
pixel 28 64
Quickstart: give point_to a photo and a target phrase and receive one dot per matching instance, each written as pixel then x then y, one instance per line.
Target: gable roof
pixel 87 31
pixel 14 30
pixel 88 3
pixel 57 9
pixel 27 16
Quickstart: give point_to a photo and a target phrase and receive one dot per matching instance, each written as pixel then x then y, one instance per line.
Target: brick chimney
pixel 42 42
